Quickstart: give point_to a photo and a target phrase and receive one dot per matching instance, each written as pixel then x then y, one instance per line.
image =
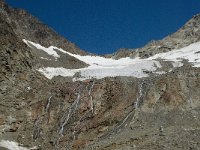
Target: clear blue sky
pixel 103 26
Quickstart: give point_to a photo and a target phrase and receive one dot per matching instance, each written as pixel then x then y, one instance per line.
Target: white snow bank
pixel 51 72
pixel 45 58
pixel 49 50
pixel 91 60
pixel 100 67
pixel 134 70
pixel 177 64
pixel 190 53
pixel 99 72
pixel 13 145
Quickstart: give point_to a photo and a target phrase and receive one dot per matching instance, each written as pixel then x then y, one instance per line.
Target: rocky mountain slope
pixel 28 27
pixel 55 96
pixel 25 26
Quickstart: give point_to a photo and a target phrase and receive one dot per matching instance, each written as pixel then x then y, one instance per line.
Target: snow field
pixel 100 67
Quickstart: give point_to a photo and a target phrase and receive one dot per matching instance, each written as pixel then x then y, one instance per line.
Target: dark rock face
pixel 157 112
pixel 13 50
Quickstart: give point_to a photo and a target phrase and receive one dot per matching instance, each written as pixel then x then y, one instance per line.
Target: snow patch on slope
pixel 100 67
pixel 51 72
pixel 177 64
pixel 50 50
pixel 99 72
pixel 190 53
pixel 136 69
pixel 10 145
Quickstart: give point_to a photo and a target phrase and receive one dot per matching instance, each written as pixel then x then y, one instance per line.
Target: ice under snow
pixel 100 67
